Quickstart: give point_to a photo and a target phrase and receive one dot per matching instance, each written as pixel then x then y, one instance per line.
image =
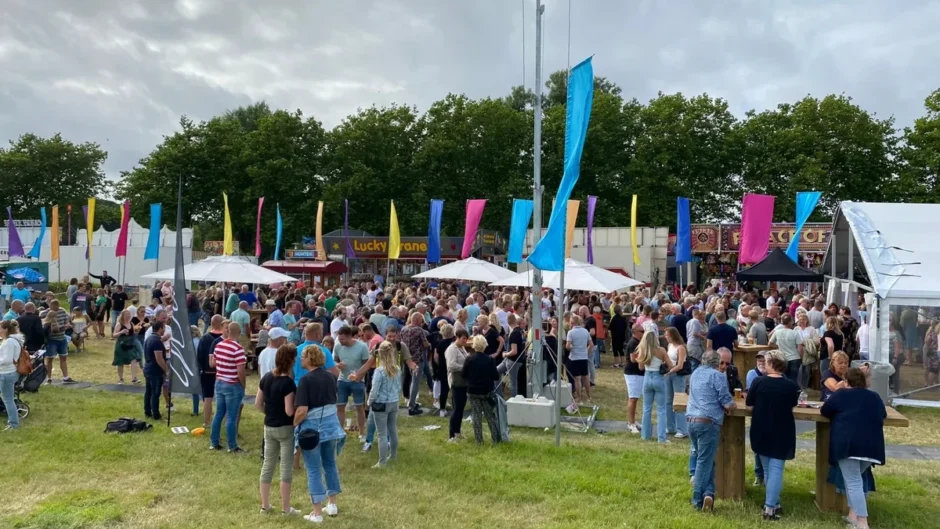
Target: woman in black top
pixel 275 398
pixel 141 323
pixel 494 339
pixel 479 372
pixel 832 341
pixel 773 429
pixel 439 363
pixel 832 378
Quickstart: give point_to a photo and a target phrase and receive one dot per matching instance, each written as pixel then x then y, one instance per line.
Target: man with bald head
pixel 229 360
pixel 16 308
pixel 31 326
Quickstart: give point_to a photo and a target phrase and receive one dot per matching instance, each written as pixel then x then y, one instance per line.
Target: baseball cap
pixel 761 353
pixel 278 332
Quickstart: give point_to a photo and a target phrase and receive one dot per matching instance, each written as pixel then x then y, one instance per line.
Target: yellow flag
pixel 54 237
pixel 394 237
pixel 636 251
pixel 572 219
pixel 90 227
pixel 321 253
pixel 227 245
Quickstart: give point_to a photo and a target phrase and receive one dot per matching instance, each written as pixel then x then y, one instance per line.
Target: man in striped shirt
pixel 228 359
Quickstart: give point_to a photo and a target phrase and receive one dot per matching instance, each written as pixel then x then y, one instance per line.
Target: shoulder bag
pixel 378 407
pixel 309 439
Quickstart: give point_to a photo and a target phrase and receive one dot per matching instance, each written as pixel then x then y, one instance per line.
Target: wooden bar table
pixel 744 357
pixel 729 461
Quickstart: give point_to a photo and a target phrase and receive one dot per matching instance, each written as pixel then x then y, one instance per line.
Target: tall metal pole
pixel 538 364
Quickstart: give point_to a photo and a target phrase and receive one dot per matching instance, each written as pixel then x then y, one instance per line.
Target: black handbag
pixel 686 368
pixel 379 407
pixel 309 439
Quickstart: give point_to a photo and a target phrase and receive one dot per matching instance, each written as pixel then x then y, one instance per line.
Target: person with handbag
pixel 655 362
pixel 125 347
pixel 11 346
pixel 383 402
pixel 320 436
pixel 676 378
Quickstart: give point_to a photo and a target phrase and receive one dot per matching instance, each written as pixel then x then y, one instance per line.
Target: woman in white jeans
pixel 11 343
pixel 675 383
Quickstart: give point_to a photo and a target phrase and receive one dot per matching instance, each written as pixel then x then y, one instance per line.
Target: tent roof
pixel 777 266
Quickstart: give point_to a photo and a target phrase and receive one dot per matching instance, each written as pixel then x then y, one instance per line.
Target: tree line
pixel 461 148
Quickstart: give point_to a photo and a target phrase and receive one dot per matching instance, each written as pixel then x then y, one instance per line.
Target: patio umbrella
pixel 27 275
pixel 469 269
pixel 578 276
pixel 225 268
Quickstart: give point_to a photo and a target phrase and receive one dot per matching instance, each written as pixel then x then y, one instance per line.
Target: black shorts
pixel 579 368
pixel 99 316
pixel 208 386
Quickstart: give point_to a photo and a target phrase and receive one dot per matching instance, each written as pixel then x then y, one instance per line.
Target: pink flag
pixel 258 229
pixel 121 249
pixel 474 214
pixel 757 215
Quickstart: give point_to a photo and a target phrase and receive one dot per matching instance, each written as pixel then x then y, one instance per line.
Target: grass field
pixel 61 471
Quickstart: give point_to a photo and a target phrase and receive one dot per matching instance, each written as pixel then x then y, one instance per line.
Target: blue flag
pixel 549 253
pixel 434 231
pixel 805 204
pixel 683 231
pixel 153 238
pixel 280 233
pixel 37 246
pixel 521 215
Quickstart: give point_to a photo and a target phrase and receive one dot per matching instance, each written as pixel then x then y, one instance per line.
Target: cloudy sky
pixel 122 72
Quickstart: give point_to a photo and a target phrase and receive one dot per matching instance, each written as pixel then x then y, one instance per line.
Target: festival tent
pixel 469 269
pixel 225 268
pixel 777 266
pixel 578 276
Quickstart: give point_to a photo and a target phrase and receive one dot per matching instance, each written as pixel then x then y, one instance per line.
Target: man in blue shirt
pixel 709 401
pixel 248 296
pixel 20 293
pixel 313 333
pixel 275 316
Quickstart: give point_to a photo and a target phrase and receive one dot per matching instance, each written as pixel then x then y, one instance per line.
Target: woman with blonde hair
pixel 479 373
pixel 655 362
pixel 461 321
pixel 810 347
pixel 126 347
pixel 383 402
pixel 675 382
pixel 495 339
pixel 832 340
pixel 833 379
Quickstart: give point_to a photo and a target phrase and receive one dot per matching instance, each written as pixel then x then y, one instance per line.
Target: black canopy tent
pixel 777 266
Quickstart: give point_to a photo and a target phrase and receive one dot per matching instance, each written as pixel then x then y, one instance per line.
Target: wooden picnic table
pixel 729 461
pixel 744 357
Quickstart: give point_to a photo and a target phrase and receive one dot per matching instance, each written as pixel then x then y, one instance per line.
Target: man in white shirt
pixel 276 338
pixel 503 315
pixel 864 350
pixel 339 320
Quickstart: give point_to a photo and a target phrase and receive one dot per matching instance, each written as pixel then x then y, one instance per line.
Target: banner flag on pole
pixel 521 216
pixel 228 247
pixel 633 241
pixel 805 204
pixel 280 232
pixel 757 216
pixel 394 237
pixel 16 246
pixel 90 226
pixel 549 253
pixel 474 214
pixel 434 231
pixel 570 222
pixel 121 249
pixel 153 238
pixel 185 369
pixel 683 231
pixel 350 253
pixel 258 229
pixel 592 203
pixel 321 249
pixel 37 246
pixel 54 241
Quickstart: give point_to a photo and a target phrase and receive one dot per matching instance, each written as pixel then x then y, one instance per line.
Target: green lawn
pixel 61 471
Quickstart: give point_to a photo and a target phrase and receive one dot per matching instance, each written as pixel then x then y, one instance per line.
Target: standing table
pixel 744 357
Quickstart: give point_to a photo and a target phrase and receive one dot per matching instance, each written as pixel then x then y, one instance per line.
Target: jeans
pixel 704 437
pixel 7 382
pixel 386 423
pixel 675 420
pixel 852 470
pixel 460 402
pixel 321 463
pixel 823 365
pixel 196 399
pixel 278 448
pixel 228 400
pixel 694 363
pixel 415 386
pixel 793 370
pixel 115 314
pixel 597 353
pixel 773 481
pixel 152 391
pixel 194 318
pixel 654 389
pixel 759 473
pixel 512 366
pixel 592 372
pixel 806 374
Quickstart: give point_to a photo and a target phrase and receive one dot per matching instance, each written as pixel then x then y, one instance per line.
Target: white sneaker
pixel 331 509
pixel 634 428
pixel 313 518
pixel 680 435
pixel 362 439
pixel 366 447
pixel 437 404
pixel 291 512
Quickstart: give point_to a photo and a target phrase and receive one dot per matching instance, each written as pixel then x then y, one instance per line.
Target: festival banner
pixel 472 222
pixel 705 238
pixel 15 245
pixel 571 220
pixel 183 365
pixel 90 226
pixel 592 203
pixel 121 249
pixel 321 250
pixel 34 252
pixel 258 229
pixel 683 231
pixel 280 232
pixel 153 238
pixel 434 231
pixel 805 204
pixel 549 252
pixel 227 231
pixel 757 215
pixel 633 241
pixel 814 237
pixel 521 215
pixel 394 236
pixel 54 241
pixel 350 253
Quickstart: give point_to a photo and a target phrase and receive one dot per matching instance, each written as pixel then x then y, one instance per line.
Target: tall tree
pixel 557 88
pixel 920 157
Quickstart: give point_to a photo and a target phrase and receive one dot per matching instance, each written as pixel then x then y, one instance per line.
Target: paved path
pixel 923 453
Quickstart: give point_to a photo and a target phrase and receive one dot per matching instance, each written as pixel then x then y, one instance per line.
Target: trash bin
pixel 880 375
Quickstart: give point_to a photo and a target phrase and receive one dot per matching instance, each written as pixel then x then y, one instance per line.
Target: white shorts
pixel 634 386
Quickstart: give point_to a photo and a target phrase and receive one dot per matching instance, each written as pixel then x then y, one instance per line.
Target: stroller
pixel 29 383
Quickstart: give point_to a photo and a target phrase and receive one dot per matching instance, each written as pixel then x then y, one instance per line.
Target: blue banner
pixel 280 233
pixel 549 253
pixel 434 231
pixel 521 215
pixel 37 246
pixel 805 204
pixel 153 238
pixel 683 231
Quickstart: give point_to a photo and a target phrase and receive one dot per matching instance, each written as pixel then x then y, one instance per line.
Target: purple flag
pixel 16 246
pixel 592 201
pixel 350 254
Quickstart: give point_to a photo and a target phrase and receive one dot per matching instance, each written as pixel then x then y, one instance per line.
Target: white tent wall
pixel 72 262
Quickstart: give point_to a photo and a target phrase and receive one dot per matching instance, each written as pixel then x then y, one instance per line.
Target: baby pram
pixel 29 383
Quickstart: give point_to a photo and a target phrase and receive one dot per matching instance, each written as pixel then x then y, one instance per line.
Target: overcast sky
pixel 122 72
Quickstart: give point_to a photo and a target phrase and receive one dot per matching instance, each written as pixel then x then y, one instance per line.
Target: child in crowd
pixel 79 329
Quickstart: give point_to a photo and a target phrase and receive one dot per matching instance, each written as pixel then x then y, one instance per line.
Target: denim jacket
pixel 385 388
pixel 325 420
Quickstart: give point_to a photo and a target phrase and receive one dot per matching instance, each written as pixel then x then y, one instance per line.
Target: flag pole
pixel 538 373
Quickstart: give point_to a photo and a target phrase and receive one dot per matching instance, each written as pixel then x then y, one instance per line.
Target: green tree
pixel 557 89
pixel 920 157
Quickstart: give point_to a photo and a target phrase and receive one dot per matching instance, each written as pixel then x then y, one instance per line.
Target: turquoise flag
pixel 153 238
pixel 805 204
pixel 521 215
pixel 37 246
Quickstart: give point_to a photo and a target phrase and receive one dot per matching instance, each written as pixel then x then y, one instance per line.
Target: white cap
pixel 278 332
